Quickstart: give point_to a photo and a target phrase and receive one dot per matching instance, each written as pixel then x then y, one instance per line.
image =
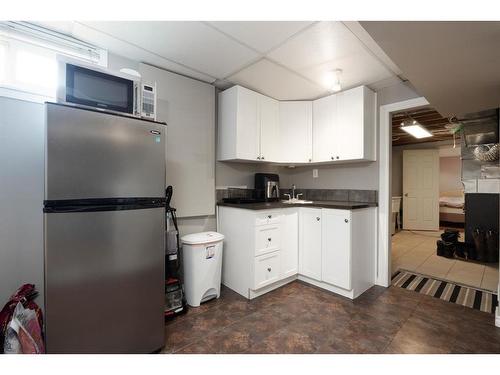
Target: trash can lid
pixel 202 238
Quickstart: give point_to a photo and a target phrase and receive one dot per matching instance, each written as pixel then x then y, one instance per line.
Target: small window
pixel 28 59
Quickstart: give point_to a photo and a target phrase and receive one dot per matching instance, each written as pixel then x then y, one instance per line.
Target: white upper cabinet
pixel 295 125
pixel 323 133
pixel 248 126
pixel 344 126
pixel 356 124
pixel 338 128
pixel 269 129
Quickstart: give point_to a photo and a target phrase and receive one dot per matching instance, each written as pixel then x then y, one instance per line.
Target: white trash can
pixel 202 263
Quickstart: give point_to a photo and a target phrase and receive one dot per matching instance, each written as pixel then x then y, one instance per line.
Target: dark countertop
pixel 342 205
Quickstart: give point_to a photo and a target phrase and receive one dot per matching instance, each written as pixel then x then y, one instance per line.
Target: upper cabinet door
pixel 269 129
pixel 248 125
pixel 238 125
pixel 295 123
pixel 323 128
pixel 356 124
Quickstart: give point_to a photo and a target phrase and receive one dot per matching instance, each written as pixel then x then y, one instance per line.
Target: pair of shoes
pixel 445 249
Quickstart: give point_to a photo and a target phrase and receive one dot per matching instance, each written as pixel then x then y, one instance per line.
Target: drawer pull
pixel 269 269
pixel 269 239
pixel 269 216
pixel 346 220
pixel 317 218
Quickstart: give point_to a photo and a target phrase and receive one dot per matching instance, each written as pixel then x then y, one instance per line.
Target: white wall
pixel 21 196
pixel 450 174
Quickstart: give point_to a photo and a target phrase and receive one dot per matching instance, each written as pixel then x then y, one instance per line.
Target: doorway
pixel 416 239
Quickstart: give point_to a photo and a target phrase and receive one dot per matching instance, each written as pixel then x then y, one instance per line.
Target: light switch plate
pixel 315 173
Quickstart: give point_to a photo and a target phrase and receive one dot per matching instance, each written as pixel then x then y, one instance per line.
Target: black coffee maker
pixel 267 186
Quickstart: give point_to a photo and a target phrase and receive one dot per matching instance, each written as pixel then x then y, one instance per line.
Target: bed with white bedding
pixel 451 206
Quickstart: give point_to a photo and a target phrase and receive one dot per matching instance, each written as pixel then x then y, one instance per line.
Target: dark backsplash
pixel 342 195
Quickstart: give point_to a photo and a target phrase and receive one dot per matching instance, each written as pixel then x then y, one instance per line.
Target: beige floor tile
pixel 490 278
pixel 436 266
pixel 425 249
pixel 409 261
pixel 466 273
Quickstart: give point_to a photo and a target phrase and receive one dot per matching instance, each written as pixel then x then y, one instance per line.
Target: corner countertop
pixel 342 205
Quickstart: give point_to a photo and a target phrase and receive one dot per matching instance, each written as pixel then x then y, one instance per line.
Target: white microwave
pixel 98 88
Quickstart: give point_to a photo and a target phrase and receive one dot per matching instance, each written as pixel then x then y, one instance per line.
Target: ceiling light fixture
pixel 416 130
pixel 335 84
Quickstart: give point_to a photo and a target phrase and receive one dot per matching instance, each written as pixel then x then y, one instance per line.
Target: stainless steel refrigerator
pixel 104 222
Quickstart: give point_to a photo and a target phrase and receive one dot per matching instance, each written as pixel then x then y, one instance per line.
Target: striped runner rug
pixel 447 291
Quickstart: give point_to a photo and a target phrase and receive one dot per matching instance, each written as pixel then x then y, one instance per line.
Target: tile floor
pixel 416 251
pixel 299 318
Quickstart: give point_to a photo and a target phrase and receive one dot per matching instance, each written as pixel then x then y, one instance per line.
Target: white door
pixel 269 128
pixel 248 125
pixel 421 189
pixel 290 243
pixel 349 125
pixel 296 131
pixel 310 243
pixel 324 118
pixel 336 248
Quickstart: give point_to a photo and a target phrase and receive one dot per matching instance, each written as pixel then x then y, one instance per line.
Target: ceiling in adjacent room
pixel 429 118
pixel 455 65
pixel 284 60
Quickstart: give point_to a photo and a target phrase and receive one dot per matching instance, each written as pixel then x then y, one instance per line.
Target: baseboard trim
pixel 257 293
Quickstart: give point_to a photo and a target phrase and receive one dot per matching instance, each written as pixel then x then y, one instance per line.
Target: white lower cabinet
pixel 336 248
pixel 290 243
pixel 331 248
pixel 310 242
pixel 267 269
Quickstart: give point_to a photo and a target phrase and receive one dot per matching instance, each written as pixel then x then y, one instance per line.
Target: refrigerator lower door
pixel 104 281
pixel 99 155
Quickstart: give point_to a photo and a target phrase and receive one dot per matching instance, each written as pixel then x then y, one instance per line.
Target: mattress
pixel 451 202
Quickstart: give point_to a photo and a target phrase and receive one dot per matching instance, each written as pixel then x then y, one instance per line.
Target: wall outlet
pixel 315 173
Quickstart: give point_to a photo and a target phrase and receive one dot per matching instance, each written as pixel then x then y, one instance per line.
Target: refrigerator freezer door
pixel 91 154
pixel 104 281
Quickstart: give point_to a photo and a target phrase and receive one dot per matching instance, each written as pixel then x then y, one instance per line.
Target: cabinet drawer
pixel 266 269
pixel 268 217
pixel 267 239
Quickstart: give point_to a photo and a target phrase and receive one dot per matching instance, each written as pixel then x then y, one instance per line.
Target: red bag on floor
pixel 25 296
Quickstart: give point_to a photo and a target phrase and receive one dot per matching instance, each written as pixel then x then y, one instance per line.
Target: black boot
pixel 491 246
pixel 480 245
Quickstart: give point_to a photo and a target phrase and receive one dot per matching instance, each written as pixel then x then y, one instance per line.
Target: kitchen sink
pixel 296 201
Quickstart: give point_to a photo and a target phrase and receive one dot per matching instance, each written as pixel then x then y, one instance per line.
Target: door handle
pixel 406 194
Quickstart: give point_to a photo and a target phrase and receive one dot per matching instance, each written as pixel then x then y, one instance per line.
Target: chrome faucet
pixel 293 191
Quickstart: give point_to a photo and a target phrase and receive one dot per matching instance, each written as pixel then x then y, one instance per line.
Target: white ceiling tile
pixel 277 82
pixel 327 46
pixel 261 35
pixel 133 52
pixel 318 44
pixel 358 68
pixel 191 43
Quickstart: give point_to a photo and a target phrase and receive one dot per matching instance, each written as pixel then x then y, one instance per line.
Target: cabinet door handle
pixel 269 216
pixel 346 220
pixel 258 157
pixel 262 157
pixel 337 157
pixel 269 269
pixel 333 158
pixel 269 239
pixel 310 160
pixel 317 218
